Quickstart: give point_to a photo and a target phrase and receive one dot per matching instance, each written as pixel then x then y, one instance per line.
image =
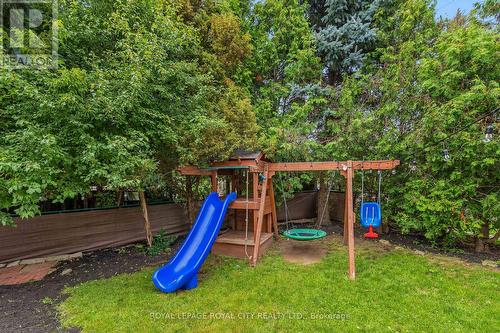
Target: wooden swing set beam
pixel 293 166
pixel 333 165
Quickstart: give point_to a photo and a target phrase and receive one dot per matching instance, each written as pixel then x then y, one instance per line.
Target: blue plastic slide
pixel 181 272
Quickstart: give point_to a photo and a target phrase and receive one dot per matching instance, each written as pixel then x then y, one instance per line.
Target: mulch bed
pixel 30 307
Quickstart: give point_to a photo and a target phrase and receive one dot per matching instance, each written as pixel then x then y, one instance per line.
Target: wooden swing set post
pixel 350 221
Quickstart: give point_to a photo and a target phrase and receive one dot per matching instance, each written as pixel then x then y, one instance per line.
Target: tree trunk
pixel 190 200
pixel 334 77
pixel 482 241
pixel 385 228
pixel 147 225
pixel 119 198
pixel 323 207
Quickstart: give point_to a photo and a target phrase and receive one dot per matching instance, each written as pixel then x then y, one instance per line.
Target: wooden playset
pixel 254 219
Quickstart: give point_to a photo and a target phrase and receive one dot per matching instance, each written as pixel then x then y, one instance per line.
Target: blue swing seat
pixel 371 214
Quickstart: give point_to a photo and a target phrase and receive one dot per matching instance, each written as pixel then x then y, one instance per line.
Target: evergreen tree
pixel 344 33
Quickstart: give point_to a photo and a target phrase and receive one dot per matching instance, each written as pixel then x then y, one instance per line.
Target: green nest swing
pixel 304 234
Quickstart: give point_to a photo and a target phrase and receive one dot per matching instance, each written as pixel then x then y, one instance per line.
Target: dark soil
pixel 31 307
pixel 422 244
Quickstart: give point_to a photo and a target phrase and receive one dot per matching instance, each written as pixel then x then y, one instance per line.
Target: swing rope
pixel 379 185
pixel 298 234
pixel 246 217
pixel 284 200
pixel 325 206
pixel 379 171
pixel 362 182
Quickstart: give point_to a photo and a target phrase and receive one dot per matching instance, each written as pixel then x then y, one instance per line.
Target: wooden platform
pixel 240 203
pixel 232 244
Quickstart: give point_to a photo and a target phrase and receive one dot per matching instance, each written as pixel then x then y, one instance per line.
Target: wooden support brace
pixel 260 217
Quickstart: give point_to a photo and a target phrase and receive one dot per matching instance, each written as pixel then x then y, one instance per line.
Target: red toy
pixel 370 233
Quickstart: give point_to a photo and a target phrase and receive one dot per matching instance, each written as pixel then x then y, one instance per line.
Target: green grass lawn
pixel 395 291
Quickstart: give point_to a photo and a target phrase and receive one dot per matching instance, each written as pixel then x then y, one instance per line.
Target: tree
pixel 137 94
pixel 461 193
pixel 421 86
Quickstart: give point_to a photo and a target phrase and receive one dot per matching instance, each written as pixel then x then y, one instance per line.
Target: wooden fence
pixel 55 234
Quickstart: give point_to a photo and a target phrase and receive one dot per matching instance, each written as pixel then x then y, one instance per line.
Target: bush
pixel 161 243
